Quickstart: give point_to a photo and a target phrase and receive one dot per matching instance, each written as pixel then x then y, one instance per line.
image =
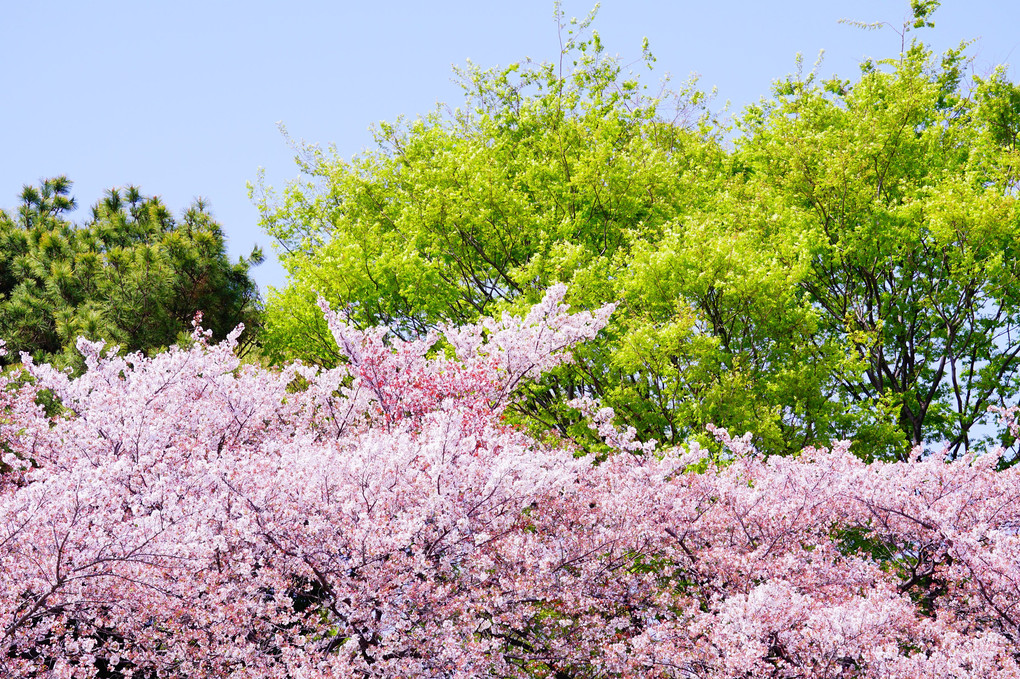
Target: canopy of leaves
pixel 900 189
pixel 841 263
pixel 131 274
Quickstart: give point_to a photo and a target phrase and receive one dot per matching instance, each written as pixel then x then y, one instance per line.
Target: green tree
pixel 130 274
pixel 842 264
pixel 902 188
pixel 553 172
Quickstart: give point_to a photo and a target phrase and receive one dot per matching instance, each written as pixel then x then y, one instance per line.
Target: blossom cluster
pixel 184 515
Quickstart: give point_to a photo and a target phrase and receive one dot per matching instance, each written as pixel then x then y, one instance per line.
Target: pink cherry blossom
pixel 185 515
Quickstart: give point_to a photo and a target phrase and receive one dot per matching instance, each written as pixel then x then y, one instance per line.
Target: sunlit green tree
pixel 901 187
pixel 841 263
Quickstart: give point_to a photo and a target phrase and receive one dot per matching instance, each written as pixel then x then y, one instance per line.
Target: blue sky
pixel 182 98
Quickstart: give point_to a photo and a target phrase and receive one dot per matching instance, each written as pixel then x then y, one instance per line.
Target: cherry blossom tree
pixel 184 515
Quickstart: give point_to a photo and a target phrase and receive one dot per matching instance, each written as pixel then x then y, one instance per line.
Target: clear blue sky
pixel 182 97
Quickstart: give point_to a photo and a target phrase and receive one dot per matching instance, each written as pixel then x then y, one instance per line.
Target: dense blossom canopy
pixel 188 516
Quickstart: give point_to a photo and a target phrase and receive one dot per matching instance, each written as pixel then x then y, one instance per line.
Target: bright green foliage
pixel 902 187
pixel 555 172
pixel 131 274
pixel 540 177
pixel 845 268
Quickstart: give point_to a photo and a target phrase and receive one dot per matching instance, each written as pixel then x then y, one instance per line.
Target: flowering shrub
pixel 188 516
